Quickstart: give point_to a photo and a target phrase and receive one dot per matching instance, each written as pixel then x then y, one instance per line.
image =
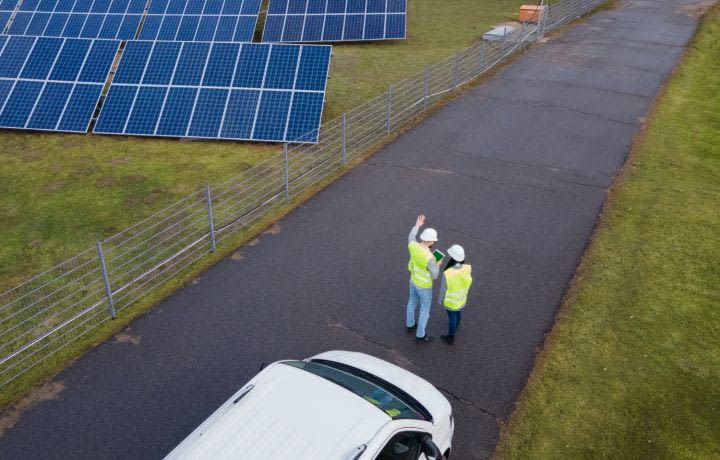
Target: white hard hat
pixel 429 234
pixel 457 252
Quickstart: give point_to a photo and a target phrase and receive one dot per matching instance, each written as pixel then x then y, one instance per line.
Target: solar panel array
pixel 186 70
pixel 52 83
pixel 334 20
pixel 111 19
pixel 201 20
pixel 221 90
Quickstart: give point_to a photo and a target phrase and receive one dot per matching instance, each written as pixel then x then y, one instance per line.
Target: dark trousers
pixel 454 317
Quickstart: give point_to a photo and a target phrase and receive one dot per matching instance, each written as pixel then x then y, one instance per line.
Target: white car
pixel 338 405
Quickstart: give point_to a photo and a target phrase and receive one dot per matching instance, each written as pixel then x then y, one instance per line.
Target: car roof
pixel 288 414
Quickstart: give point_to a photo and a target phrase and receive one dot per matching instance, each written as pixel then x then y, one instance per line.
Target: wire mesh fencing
pixel 48 312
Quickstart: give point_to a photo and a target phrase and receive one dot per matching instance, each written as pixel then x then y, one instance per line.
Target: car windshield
pixel 366 388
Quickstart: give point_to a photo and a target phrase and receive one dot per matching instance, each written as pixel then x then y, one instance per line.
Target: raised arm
pixel 419 222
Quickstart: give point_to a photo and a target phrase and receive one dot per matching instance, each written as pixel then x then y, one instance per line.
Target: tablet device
pixel 438 255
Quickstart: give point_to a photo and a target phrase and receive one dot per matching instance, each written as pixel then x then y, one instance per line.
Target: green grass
pixel 59 193
pixel 631 369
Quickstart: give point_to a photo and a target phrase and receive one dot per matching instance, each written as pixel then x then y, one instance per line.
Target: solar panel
pixel 201 20
pixel 334 20
pixel 52 84
pixel 110 19
pixel 220 90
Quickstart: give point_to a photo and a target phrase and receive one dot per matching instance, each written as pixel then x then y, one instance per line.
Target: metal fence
pixel 52 310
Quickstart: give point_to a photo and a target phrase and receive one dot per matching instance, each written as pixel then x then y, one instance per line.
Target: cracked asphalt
pixel 516 171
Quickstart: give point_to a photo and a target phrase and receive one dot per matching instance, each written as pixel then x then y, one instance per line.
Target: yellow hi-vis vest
pixel 419 257
pixel 458 283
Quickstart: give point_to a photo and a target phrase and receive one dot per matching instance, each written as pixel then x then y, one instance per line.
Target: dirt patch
pixel 253 242
pixel 53 187
pixel 274 229
pixel 124 337
pixel 30 155
pixel 153 197
pixel 237 255
pixel 106 181
pixel 12 415
pixel 120 161
pixel 133 179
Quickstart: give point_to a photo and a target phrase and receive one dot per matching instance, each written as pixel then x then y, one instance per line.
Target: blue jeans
pixel 424 296
pixel 454 317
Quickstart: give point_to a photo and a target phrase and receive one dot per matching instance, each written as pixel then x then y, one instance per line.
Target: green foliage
pixel 631 370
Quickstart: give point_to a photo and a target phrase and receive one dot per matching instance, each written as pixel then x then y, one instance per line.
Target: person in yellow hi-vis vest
pixel 454 289
pixel 423 270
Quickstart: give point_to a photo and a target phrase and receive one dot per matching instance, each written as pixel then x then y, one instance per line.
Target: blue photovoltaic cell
pixel 4 17
pixel 220 90
pixel 201 20
pixel 146 110
pixel 304 116
pixel 99 59
pixel 52 83
pixel 161 65
pixel 80 108
pixel 134 59
pixel 38 24
pixel 280 72
pixel 20 104
pixel 50 106
pixel 5 88
pixel 42 58
pixel 14 55
pixel 221 65
pixel 272 115
pixel 206 119
pixel 240 114
pixel 176 114
pixel 334 20
pixel 191 65
pixel 70 60
pixel 115 109
pixel 312 71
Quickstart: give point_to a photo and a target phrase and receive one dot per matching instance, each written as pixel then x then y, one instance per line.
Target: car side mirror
pixel 430 449
pixel 264 365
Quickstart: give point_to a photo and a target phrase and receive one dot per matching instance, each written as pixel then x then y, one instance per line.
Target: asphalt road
pixel 516 171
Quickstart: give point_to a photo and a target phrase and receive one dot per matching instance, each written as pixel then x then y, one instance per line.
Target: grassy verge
pixel 61 192
pixel 631 368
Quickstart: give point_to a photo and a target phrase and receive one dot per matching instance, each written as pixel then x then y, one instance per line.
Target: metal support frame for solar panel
pixel 219 90
pixel 108 19
pixel 201 20
pixel 316 21
pixel 51 83
pixel 7 8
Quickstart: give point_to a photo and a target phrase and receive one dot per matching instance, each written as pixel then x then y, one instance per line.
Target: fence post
pixel 425 89
pixel 287 175
pixel 456 71
pixel 546 13
pixel 504 45
pixel 389 108
pixel 106 280
pixel 482 57
pixel 344 138
pixel 208 199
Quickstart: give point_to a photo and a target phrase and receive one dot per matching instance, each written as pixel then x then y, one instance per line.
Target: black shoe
pixel 448 338
pixel 411 328
pixel 424 339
